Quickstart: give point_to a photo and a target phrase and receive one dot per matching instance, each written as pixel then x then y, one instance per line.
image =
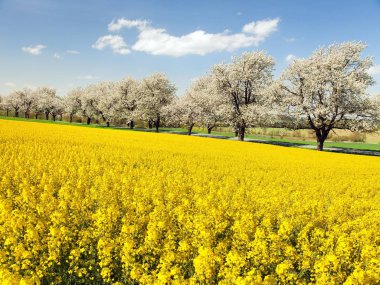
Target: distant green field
pixel 351 145
pixel 295 140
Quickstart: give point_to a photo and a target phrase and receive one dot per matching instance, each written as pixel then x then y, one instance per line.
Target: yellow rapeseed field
pixel 93 206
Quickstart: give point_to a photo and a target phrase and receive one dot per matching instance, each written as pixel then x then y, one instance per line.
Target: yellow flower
pixel 85 205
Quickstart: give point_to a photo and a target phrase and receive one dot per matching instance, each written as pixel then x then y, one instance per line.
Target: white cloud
pixel 262 28
pixel 290 40
pixel 31 86
pixel 239 13
pixel 374 70
pixel 35 50
pixel 10 84
pixel 158 41
pixel 71 51
pixel 57 56
pixel 87 77
pixel 121 23
pixel 290 57
pixel 116 43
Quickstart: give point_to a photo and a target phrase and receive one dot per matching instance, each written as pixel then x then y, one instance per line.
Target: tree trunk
pixel 46 116
pixel 209 128
pixel 108 124
pixel 157 123
pixel 7 113
pixel 26 115
pixel 36 115
pixel 319 145
pixel 241 133
pixel 16 113
pixel 131 124
pixel 189 129
pixel 88 120
pixel 54 116
pixel 60 117
pixel 321 137
pixel 150 124
pixel 71 118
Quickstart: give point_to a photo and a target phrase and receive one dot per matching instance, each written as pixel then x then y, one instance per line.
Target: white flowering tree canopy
pixel 36 107
pixel 46 100
pixel 90 102
pixel 3 105
pixel 73 102
pixel 127 105
pixel 242 85
pixel 58 107
pixel 184 111
pixel 107 97
pixel 376 112
pixel 205 96
pixel 26 98
pixel 13 102
pixel 329 89
pixel 155 92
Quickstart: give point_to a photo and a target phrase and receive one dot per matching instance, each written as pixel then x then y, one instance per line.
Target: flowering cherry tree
pixel 46 100
pixel 58 108
pixel 107 98
pixel 184 111
pixel 127 104
pixel 73 102
pixel 13 102
pixel 36 107
pixel 89 102
pixel 26 98
pixel 2 104
pixel 155 92
pixel 376 112
pixel 204 95
pixel 328 90
pixel 242 85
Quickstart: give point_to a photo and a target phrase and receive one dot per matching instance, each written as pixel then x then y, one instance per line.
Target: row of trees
pixel 125 100
pixel 43 100
pixel 322 92
pixel 325 91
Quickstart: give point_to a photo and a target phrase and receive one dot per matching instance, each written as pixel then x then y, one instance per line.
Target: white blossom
pixel 73 102
pixel 45 100
pixel 242 85
pixel 13 102
pixel 155 92
pixel 184 111
pixel 128 100
pixel 204 94
pixel 328 90
pixel 107 97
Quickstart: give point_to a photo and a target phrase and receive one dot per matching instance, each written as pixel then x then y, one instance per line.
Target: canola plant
pixel 92 206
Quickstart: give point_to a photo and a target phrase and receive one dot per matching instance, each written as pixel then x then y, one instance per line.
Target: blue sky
pixel 71 43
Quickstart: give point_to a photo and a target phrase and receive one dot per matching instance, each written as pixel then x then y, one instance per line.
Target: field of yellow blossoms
pixel 93 206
